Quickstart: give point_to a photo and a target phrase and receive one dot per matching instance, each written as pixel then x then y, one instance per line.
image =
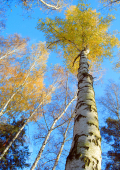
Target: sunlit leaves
pixel 82 26
pixel 22 74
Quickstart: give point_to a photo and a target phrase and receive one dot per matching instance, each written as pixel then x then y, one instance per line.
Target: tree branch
pixel 50 5
pixel 48 135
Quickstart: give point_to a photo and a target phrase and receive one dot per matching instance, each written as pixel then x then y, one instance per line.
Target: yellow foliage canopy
pixel 82 26
pixel 24 72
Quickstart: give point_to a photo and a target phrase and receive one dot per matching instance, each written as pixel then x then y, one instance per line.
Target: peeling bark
pixel 85 151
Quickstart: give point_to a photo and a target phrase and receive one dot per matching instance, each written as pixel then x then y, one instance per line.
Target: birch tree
pixel 47 136
pixel 20 85
pixel 58 79
pixel 82 27
pixel 46 96
pixel 62 146
pixel 53 119
pixel 23 126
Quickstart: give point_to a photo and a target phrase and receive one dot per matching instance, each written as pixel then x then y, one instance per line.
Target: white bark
pixel 15 49
pixel 85 151
pixel 48 135
pixel 56 7
pixel 61 148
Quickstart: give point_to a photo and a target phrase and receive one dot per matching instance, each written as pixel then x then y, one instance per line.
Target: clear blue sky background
pixel 25 26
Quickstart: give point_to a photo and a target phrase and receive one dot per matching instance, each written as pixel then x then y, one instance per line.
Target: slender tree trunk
pixel 61 148
pixel 85 151
pixel 48 135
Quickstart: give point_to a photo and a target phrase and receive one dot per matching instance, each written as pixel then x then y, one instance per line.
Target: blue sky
pixel 26 27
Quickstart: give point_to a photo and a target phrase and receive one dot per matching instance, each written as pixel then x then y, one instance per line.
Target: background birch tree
pixel 18 86
pixel 55 121
pixel 57 74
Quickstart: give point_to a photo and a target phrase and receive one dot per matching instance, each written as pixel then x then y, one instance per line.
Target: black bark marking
pixel 73 152
pixel 93 125
pixel 89 107
pixel 78 117
pixel 86 75
pixel 97 162
pixel 90 133
pixel 83 166
pixel 85 147
pixel 86 160
pixel 96 118
pixel 80 104
pixel 95 142
pixel 89 140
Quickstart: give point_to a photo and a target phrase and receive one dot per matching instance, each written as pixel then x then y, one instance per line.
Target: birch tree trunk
pixel 48 134
pixel 61 148
pixel 85 151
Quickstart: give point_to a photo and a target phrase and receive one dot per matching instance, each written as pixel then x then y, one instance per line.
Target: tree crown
pixel 82 26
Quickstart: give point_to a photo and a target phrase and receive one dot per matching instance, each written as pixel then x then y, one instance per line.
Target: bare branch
pixel 48 135
pixel 66 39
pixel 16 49
pixel 58 6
